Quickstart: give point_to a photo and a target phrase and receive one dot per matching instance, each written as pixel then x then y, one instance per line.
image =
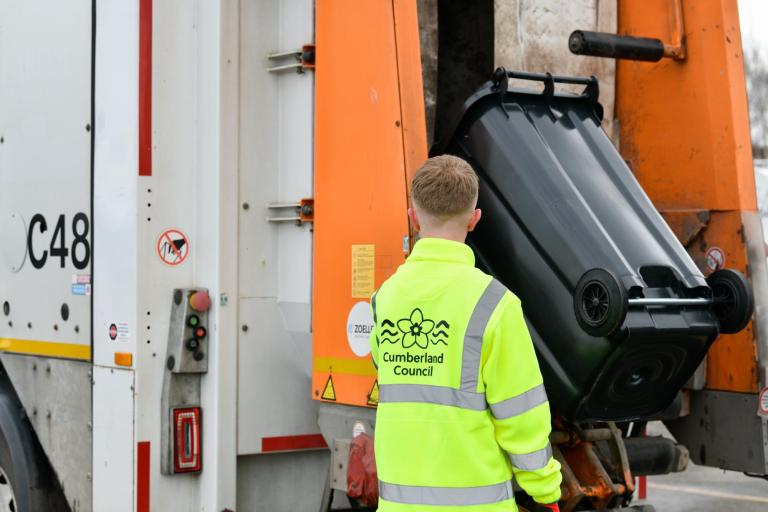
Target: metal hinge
pixel 304 211
pixel 304 59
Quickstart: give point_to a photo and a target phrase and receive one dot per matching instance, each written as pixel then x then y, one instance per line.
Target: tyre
pixel 26 480
pixel 600 303
pixel 733 302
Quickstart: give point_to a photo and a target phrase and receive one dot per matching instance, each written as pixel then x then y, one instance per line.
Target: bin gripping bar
pixel 501 78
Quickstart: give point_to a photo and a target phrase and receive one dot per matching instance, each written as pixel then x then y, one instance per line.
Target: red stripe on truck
pixel 142 477
pixel 145 87
pixel 288 443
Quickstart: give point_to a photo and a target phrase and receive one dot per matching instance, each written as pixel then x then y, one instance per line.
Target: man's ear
pixel 476 214
pixel 414 220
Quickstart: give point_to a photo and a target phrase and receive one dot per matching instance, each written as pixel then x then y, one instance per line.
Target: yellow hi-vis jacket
pixel 462 406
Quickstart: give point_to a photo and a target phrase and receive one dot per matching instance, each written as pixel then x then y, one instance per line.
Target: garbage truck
pixel 197 200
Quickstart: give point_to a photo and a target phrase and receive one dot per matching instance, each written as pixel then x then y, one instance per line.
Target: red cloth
pixel 541 507
pixel 362 479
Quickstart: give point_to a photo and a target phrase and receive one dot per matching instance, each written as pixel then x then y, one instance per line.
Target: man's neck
pixel 456 236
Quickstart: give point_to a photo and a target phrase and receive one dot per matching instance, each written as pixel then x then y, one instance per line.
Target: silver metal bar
pixel 277 69
pixel 281 55
pixel 669 302
pixel 283 219
pixel 274 206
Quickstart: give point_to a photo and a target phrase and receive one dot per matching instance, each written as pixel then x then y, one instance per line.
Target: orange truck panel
pixel 684 124
pixel 731 362
pixel 369 137
pixel 684 129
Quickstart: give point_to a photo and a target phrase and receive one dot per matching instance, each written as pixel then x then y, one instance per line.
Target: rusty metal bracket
pixel 304 59
pixel 687 225
pixel 303 211
pixel 620 455
pixel 586 481
pixel 676 50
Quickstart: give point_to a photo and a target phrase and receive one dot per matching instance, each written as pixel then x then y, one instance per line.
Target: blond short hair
pixel 444 186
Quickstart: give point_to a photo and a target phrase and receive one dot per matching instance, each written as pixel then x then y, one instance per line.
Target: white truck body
pixel 228 137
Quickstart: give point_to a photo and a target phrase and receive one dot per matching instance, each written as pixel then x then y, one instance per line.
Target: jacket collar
pixel 443 250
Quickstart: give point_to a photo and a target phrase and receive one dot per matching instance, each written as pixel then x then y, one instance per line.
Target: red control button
pixel 200 301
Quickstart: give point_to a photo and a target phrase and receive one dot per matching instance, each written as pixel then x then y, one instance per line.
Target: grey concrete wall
pixel 427 10
pixel 532 35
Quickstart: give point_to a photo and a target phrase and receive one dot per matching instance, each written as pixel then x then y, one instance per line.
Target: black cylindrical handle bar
pixel 601 44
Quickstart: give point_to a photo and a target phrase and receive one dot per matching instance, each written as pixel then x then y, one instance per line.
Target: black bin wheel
pixel 733 302
pixel 600 303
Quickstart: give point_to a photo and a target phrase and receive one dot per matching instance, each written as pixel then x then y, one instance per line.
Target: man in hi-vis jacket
pixel 462 407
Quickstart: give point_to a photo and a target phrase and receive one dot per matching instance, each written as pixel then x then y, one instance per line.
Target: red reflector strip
pixel 288 443
pixel 187 457
pixel 142 476
pixel 145 87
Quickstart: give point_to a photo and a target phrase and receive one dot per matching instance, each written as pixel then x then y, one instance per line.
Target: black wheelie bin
pixel 620 315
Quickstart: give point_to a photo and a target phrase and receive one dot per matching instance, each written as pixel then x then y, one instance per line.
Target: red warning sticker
pixel 762 403
pixel 119 331
pixel 714 259
pixel 172 247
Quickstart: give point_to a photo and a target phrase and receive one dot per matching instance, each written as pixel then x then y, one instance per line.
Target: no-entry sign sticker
pixel 762 403
pixel 172 247
pixel 714 258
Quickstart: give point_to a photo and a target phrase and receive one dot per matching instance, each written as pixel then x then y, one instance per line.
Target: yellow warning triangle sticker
pixel 329 393
pixel 373 394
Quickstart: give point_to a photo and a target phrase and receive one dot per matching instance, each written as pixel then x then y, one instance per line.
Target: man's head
pixel 444 197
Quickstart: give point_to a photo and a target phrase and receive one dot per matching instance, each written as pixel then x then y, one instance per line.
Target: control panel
pixel 188 331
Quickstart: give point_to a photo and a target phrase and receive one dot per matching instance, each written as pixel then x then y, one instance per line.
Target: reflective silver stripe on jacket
pixel 466 396
pixel 519 404
pixel 532 461
pixel 473 337
pixel 424 393
pixel 446 496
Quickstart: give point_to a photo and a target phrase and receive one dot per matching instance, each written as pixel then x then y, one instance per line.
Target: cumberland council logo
pixel 416 330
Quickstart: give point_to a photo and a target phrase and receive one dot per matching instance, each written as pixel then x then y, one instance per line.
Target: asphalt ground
pixel 704 489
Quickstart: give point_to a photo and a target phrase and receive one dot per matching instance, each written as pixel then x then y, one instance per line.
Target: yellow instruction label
pixel 363 265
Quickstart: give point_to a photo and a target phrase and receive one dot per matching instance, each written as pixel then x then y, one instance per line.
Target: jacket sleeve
pixel 374 339
pixel 520 409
